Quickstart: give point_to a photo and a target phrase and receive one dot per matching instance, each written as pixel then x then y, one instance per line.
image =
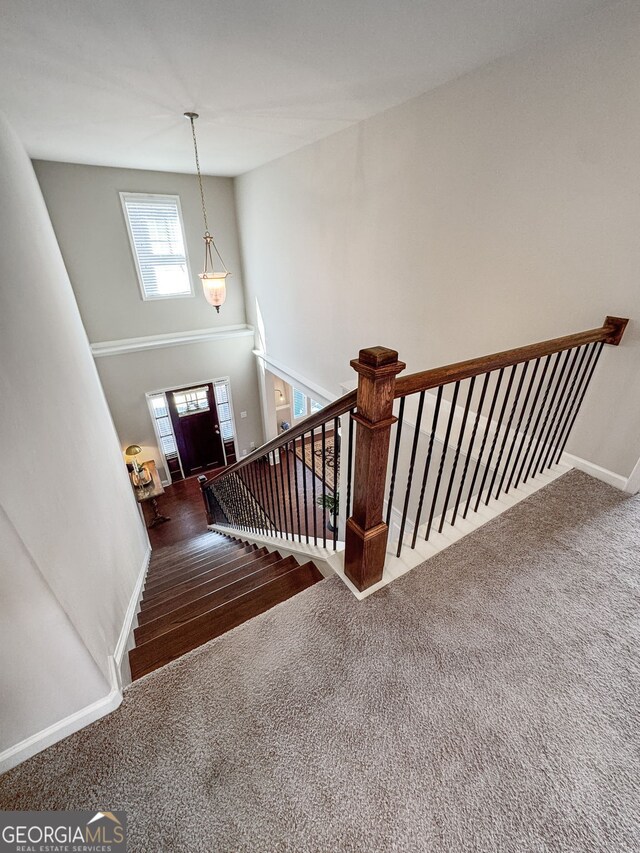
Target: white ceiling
pixel 107 81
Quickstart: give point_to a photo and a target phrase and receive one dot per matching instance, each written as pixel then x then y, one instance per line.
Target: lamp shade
pixel 133 450
pixel 214 285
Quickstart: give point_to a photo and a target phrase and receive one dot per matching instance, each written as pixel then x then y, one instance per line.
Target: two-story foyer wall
pixel 85 208
pixel 500 209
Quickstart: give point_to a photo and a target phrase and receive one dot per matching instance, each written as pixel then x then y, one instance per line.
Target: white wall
pixel 86 212
pixel 46 671
pixel 495 211
pixel 68 510
pixel 127 378
pixel 84 205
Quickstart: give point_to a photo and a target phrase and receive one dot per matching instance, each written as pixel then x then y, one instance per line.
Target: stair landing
pixel 202 587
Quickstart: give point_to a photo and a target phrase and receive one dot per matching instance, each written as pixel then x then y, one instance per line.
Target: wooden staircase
pixel 202 587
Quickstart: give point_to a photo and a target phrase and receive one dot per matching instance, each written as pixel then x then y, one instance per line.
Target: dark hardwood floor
pixel 182 503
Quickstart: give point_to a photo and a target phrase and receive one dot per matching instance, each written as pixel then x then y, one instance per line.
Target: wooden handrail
pixel 609 333
pixel 333 410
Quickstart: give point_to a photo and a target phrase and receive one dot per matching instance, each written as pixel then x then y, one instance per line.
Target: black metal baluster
pixel 283 494
pixel 304 490
pixel 525 434
pixel 547 411
pixel 598 351
pixel 467 460
pixel 236 509
pixel 274 474
pixel 297 488
pixel 263 495
pixel 427 466
pixel 494 442
pixel 567 395
pixel 456 457
pixel 552 409
pixel 539 414
pixel 244 502
pixel 349 464
pixel 287 454
pixel 272 493
pixel 523 410
pixel 414 448
pixel 443 456
pixel 512 413
pixel 590 350
pixel 323 434
pixel 394 466
pixel 337 462
pixel 485 436
pixel 255 502
pixel 313 487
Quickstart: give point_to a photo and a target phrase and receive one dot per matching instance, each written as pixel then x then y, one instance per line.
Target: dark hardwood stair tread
pixel 217 558
pixel 231 587
pixel 168 552
pixel 188 572
pixel 194 587
pixel 179 559
pixel 170 645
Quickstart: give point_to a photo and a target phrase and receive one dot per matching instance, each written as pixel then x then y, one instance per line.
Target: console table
pixel 151 492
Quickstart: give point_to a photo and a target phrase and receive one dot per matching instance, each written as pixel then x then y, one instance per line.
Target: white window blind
pixel 299 404
pixel 157 241
pixel 223 405
pixel 163 425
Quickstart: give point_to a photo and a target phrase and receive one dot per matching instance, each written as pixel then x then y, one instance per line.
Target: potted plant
pixel 332 504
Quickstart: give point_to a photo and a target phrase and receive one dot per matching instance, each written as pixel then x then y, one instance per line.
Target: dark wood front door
pixel 195 424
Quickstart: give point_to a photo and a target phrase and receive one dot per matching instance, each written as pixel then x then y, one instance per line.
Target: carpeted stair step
pixel 266 569
pixel 185 573
pixel 170 645
pixel 192 590
pixel 180 566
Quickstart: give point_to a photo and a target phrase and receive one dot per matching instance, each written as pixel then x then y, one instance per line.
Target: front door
pixel 195 424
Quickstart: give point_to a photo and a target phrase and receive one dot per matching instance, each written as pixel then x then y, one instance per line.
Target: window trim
pixel 124 196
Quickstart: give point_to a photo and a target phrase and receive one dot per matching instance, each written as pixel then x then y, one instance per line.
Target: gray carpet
pixel 485 702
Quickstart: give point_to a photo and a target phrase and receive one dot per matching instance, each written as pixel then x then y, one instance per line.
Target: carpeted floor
pixel 487 701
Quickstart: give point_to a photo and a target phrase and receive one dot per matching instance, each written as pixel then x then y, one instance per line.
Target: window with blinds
pixel 303 405
pixel 163 425
pixel 223 406
pixel 299 404
pixel 157 241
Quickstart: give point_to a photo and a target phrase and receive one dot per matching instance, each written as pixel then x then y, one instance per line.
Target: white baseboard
pixel 633 483
pixel 409 558
pixel 322 557
pixel 58 731
pixel 613 479
pixel 61 729
pixel 128 623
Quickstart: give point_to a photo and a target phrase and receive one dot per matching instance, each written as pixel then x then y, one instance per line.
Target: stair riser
pixel 191 572
pixel 190 590
pixel 179 566
pixel 265 570
pixel 168 564
pixel 188 547
pixel 167 647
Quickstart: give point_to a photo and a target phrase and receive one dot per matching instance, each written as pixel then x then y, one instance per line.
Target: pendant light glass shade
pixel 214 285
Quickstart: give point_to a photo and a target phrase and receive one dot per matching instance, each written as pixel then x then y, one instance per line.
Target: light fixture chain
pixel 195 148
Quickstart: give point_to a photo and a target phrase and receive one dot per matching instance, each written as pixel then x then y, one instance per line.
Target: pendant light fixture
pixel 214 283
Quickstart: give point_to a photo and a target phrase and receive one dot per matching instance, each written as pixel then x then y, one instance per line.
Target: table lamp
pixel 133 450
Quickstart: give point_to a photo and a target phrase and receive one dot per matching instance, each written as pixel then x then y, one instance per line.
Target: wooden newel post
pixel 203 482
pixel 366 533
